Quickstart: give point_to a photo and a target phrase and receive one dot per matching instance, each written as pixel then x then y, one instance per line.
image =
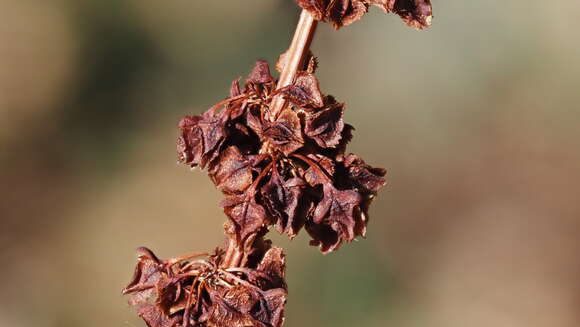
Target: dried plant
pixel 277 151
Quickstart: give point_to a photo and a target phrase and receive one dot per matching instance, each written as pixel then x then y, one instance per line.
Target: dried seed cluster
pixel 287 169
pixel 186 292
pixel 415 13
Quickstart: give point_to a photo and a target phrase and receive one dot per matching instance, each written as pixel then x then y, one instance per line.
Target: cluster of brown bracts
pixel 187 291
pixel 287 169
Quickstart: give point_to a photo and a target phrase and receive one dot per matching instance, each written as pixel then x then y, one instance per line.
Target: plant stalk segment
pixel 294 58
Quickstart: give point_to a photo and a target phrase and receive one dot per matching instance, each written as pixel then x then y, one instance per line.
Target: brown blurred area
pixel 476 119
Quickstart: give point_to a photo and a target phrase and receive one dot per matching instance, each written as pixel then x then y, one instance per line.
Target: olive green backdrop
pixel 476 119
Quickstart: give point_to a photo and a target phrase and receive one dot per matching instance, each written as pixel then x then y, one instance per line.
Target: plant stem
pixel 294 58
pixel 234 254
pixel 293 61
pixel 229 252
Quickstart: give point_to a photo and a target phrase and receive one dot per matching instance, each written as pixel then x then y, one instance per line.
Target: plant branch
pixel 294 58
pixel 231 252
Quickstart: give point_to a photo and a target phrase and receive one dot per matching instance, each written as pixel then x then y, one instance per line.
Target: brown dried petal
pixel 242 306
pixel 337 210
pixel 285 133
pixel 285 202
pixel 246 215
pixel 201 137
pixel 323 236
pixel 233 172
pixel 147 266
pixel 214 131
pixel 147 274
pixel 190 143
pixel 149 281
pixel 226 307
pixel 325 126
pixel 363 176
pixel 305 92
pixel 260 73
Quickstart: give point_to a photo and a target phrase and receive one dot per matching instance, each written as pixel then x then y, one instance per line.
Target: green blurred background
pixel 476 119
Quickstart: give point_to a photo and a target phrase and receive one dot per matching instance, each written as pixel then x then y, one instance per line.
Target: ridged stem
pixel 293 61
pixel 294 58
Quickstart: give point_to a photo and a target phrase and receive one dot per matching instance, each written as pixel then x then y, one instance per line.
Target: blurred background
pixel 476 119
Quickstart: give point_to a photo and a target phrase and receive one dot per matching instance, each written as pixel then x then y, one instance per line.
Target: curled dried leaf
pixel 243 306
pixel 338 209
pixel 245 213
pixel 325 126
pixel 363 176
pixel 305 92
pixel 233 172
pixel 285 134
pixel 286 201
pixel 146 275
pixel 324 237
pixel 201 137
pixel 232 306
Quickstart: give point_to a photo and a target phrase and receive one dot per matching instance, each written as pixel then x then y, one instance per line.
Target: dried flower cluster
pixel 186 292
pixel 415 13
pixel 289 169
pixel 277 151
